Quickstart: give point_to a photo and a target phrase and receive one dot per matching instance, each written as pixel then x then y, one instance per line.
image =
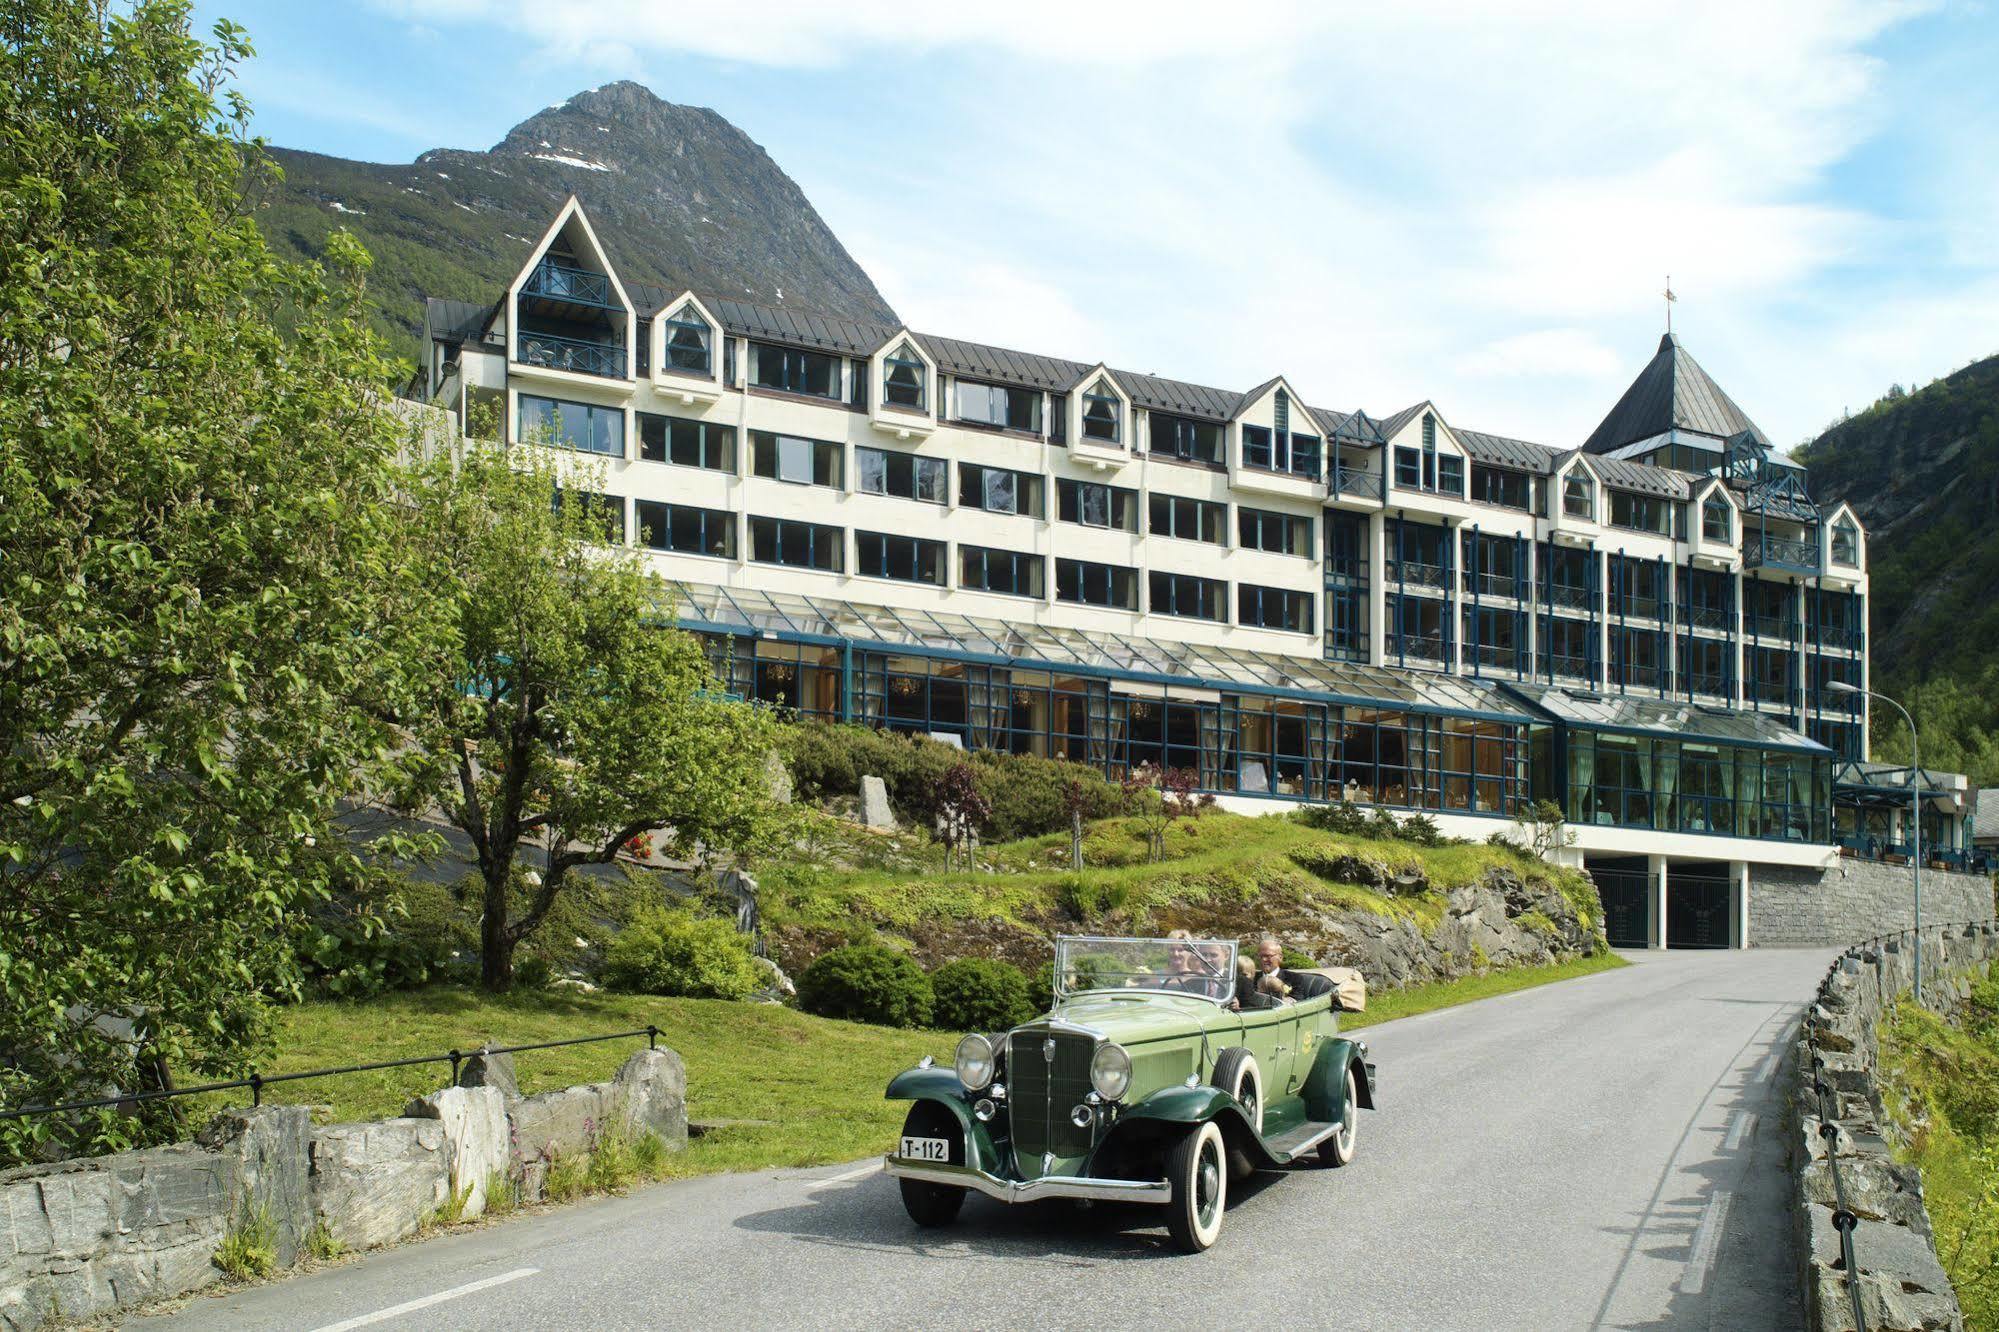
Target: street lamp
pixel 1916 804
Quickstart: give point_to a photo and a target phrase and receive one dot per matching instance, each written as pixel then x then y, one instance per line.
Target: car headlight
pixel 975 1062
pixel 1110 1071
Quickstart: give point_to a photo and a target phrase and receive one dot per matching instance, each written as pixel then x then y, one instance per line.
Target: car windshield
pixel 1201 967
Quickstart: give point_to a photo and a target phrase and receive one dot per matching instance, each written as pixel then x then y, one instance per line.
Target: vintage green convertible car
pixel 1148 1082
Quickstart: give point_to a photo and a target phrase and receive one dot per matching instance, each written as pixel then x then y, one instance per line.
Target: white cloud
pixel 1386 203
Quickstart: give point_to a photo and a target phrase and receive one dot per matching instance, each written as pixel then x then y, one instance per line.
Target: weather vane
pixel 1670 298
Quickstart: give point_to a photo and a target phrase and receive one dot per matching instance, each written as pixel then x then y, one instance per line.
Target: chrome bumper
pixel 1014 1191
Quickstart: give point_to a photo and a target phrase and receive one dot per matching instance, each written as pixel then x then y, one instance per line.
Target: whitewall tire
pixel 1197 1169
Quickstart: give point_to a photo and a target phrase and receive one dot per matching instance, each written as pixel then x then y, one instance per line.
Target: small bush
pixel 249 1248
pixel 672 953
pixel 613 1165
pixel 1041 987
pixel 384 931
pixel 1422 830
pixel 1341 816
pixel 503 1193
pixel 1293 960
pixel 1087 899
pixel 1026 794
pixel 976 994
pixel 867 983
pixel 322 1243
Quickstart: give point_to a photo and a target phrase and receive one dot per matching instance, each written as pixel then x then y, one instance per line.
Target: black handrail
pixel 1844 1219
pixel 256 1082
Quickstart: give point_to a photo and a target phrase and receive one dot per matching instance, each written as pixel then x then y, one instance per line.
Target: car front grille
pixel 1042 1092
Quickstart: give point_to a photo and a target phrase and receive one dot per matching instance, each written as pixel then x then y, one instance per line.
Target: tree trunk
pixel 496 946
pixel 1076 839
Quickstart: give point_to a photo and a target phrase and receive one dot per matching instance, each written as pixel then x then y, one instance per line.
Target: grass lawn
pixel 804 1090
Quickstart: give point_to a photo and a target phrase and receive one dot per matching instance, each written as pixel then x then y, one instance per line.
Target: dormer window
pixel 1845 543
pixel 1578 499
pixel 1103 414
pixel 903 377
pixel 1716 522
pixel 690 343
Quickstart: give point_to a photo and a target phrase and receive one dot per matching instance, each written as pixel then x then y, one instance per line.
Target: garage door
pixel 1697 913
pixel 1621 883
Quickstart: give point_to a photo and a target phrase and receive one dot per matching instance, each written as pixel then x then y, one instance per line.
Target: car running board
pixel 1293 1143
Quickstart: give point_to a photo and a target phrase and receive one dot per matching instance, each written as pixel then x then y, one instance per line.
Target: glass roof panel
pixel 1671 717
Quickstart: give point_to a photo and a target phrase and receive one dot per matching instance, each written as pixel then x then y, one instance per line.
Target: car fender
pixel 1325 1089
pixel 941 1085
pixel 1189 1106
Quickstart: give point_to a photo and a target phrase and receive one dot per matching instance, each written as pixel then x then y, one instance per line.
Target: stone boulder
pixel 875 811
pixel 476 1137
pixel 650 1096
pixel 269 1156
pixel 486 1069
pixel 376 1183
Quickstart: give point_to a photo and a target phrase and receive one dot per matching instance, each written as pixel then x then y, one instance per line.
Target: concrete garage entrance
pixel 1655 901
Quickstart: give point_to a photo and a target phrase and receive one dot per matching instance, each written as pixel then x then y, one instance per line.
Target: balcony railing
pixel 1767 691
pixel 1355 483
pixel 1772 626
pixel 1635 608
pixel 1574 598
pixel 1714 685
pixel 561 282
pixel 1420 575
pixel 584 358
pixel 1839 636
pixel 1487 654
pixel 1710 617
pixel 1768 552
pixel 1492 584
pixel 1643 677
pixel 1571 668
pixel 1421 647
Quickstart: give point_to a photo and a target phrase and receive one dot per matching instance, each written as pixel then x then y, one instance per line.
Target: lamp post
pixel 1916 806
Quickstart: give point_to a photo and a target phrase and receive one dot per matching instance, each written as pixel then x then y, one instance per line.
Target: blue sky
pixel 1473 204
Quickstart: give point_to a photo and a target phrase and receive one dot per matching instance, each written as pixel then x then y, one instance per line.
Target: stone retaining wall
pixel 1854 900
pixel 82 1238
pixel 1902 1285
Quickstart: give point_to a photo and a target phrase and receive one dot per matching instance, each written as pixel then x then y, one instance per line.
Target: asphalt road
pixel 1606 1152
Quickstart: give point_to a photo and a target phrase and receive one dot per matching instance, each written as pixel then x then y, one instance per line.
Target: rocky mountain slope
pixel 1922 471
pixel 680 197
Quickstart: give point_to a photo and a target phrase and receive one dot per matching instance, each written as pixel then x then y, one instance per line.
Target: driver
pixel 1270 977
pixel 1194 968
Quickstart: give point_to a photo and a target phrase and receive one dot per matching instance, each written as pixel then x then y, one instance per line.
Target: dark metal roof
pixel 457 321
pixel 1351 428
pixel 1403 418
pixel 1672 392
pixel 1517 454
pixel 1181 399
pixel 1643 478
pixel 975 360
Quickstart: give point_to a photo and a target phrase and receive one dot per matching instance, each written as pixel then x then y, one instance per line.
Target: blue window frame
pixel 1103 414
pixel 999 490
pixel 684 443
pixel 901 475
pixel 575 425
pixel 690 343
pixel 905 559
pixel 1274 608
pixel 1013 573
pixel 1187 596
pixel 800 545
pixel 793 370
pixel 904 377
pixel 1184 438
pixel 1090 584
pixel 1189 519
pixel 686 530
pixel 1279 533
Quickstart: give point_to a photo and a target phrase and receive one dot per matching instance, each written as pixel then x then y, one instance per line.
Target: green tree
pixel 567 717
pixel 201 618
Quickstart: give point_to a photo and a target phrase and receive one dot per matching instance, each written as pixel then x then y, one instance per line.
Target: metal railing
pixel 1635 608
pixel 561 282
pixel 1838 636
pixel 1647 677
pixel 256 1082
pixel 1486 654
pixel 1419 575
pixel 1575 598
pixel 1772 626
pixel 1710 617
pixel 1782 553
pixel 1488 584
pixel 555 352
pixel 1422 647
pixel 1574 668
pixel 1763 691
pixel 1708 684
pixel 1356 482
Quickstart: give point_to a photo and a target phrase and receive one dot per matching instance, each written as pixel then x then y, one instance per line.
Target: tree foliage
pixel 200 615
pixel 562 717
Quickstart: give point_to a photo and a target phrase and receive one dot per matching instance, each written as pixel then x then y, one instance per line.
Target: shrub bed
pixel 867 983
pixel 672 953
pixel 980 994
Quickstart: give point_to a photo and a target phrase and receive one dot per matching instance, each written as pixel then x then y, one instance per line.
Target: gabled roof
pixel 1642 478
pixel 1180 399
pixel 1002 366
pixel 1672 392
pixel 457 321
pixel 1403 418
pixel 1518 454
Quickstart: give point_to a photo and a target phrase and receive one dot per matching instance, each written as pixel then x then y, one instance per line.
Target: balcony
pixel 1413 574
pixel 1570 668
pixel 1716 686
pixel 1838 637
pixel 551 351
pixel 553 281
pixel 1635 608
pixel 1355 483
pixel 1714 618
pixel 1493 585
pixel 1641 677
pixel 1772 692
pixel 1772 626
pixel 1420 647
pixel 1571 598
pixel 1486 654
pixel 1769 552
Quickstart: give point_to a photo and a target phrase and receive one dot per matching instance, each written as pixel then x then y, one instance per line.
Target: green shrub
pixel 867 983
pixel 1041 987
pixel 1341 816
pixel 1294 960
pixel 1026 794
pixel 1086 899
pixel 672 953
pixel 249 1248
pixel 385 931
pixel 977 994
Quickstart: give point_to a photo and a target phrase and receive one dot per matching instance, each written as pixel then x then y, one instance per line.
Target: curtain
pixel 1664 814
pixel 1582 776
pixel 794 460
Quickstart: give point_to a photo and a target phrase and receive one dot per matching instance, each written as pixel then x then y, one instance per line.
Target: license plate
pixel 926 1149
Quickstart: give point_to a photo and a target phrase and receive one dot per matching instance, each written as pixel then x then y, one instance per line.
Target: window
pixel 1189 519
pixel 1408 468
pixel 903 378
pixel 687 443
pixel 1188 596
pixel 1184 438
pixel 1642 513
pixel 999 490
pixel 604 514
pixel 1716 523
pixel 689 343
pixel 1282 533
pixel 1450 475
pixel 1090 584
pixel 574 425
pixel 1280 451
pixel 903 475
pixel 1578 497
pixel 801 545
pixel 791 370
pixel 1103 413
pixel 1273 608
pixel 686 530
pixel 993 405
pixel 1013 572
pixel 1503 487
pixel 906 559
pixel 1095 505
pixel 1845 543
pixel 801 462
